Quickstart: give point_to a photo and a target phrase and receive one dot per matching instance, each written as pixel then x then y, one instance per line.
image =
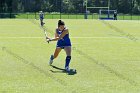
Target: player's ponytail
pixel 60 22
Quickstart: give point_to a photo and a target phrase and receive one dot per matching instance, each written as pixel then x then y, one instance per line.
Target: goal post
pixel 102 6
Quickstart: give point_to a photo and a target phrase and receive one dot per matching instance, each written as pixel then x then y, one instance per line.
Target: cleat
pixel 67 69
pixel 70 71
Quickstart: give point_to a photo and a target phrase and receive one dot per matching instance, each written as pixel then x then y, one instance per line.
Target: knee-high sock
pixel 68 58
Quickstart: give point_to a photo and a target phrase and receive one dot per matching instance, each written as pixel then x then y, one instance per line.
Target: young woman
pixel 63 42
pixel 41 16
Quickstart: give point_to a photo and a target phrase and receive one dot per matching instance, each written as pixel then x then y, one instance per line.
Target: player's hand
pixel 49 39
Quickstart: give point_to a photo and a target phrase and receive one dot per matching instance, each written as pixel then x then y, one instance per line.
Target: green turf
pixel 107 60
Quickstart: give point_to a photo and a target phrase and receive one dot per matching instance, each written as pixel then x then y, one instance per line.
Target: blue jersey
pixel 63 42
pixel 41 15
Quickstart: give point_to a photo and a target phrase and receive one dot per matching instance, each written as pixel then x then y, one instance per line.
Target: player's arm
pixel 57 37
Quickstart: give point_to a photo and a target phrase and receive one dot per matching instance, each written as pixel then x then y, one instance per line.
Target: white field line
pixel 70 37
pixel 98 37
pixel 19 37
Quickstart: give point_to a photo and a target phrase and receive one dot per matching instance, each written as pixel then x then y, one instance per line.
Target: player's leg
pixel 56 53
pixel 68 57
pixel 41 21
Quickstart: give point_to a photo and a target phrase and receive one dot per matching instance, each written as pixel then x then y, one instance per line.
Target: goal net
pixel 106 14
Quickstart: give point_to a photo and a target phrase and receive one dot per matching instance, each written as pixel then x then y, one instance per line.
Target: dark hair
pixel 60 22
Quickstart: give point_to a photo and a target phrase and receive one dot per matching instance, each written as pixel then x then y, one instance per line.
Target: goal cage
pixel 106 14
pixel 103 9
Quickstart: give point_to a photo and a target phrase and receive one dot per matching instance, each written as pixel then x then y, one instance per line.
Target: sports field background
pixel 66 16
pixel 105 54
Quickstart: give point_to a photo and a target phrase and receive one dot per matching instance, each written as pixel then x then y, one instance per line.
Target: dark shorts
pixel 41 19
pixel 62 44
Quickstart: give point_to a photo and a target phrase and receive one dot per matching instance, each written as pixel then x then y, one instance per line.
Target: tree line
pixel 68 6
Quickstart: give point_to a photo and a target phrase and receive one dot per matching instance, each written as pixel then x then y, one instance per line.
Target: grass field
pixel 106 55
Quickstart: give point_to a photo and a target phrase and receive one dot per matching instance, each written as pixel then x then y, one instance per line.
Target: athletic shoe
pixel 67 69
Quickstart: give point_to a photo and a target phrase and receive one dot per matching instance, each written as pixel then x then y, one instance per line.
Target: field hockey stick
pixel 45 33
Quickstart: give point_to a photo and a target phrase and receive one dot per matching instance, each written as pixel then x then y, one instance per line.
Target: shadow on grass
pixel 60 70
